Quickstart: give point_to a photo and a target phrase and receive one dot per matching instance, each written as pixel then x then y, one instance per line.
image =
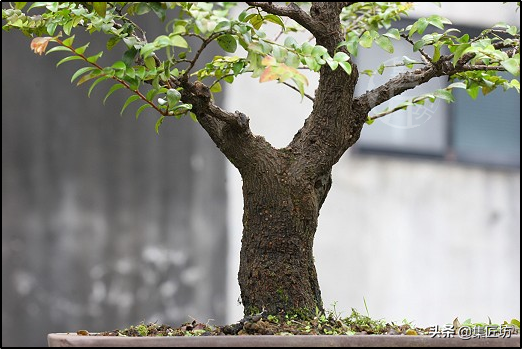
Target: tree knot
pixel 201 91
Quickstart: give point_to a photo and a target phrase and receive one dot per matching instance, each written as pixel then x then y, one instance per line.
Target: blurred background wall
pixel 105 224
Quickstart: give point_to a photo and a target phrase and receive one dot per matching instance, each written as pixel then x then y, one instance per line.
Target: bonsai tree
pixel 284 188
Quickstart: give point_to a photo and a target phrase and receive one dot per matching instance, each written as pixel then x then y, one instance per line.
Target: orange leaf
pixel 38 45
pixel 268 75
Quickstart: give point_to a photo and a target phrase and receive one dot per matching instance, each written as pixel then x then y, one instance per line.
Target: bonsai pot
pixel 73 340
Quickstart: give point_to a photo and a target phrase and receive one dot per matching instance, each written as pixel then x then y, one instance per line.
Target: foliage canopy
pixel 156 70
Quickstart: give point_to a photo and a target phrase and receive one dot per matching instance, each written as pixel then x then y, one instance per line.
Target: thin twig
pixel 204 44
pixel 296 89
pixel 424 54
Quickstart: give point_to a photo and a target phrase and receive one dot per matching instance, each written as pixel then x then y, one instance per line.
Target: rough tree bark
pixel 284 189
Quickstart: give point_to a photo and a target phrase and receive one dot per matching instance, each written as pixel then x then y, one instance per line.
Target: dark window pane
pixel 487 130
pixel 417 130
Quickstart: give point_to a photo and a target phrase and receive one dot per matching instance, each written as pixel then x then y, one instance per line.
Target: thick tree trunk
pixel 284 189
pixel 281 206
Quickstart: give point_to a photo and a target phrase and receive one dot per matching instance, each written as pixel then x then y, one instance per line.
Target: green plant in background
pixel 166 73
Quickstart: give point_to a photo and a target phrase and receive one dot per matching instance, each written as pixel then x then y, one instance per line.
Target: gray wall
pixel 104 223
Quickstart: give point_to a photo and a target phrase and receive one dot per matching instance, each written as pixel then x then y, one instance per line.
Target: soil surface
pixel 263 324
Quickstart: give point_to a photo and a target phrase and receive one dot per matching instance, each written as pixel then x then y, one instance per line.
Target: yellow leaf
pixel 268 61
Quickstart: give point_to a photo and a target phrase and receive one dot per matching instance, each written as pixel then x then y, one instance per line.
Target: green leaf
pixel 103 78
pixel 150 62
pixel 407 60
pixel 216 88
pixel 81 50
pixel 370 121
pixel 352 44
pixel 129 101
pixel 393 33
pixel 119 65
pixel 159 8
pixel 512 30
pixel 173 97
pixel 385 43
pixel 256 21
pixel 112 42
pixel 418 27
pixel 474 91
pixel 94 59
pixel 275 19
pixel 179 41
pixel 128 56
pixel 67 59
pixel 366 40
pixel 292 60
pixel 69 41
pixel 67 27
pixel 459 52
pixel 193 117
pixel 142 108
pixel 347 67
pixel 512 65
pixel 182 108
pixel 51 28
pixel 243 16
pixel 140 72
pixel 457 85
pixel 158 123
pixel 130 72
pixel 227 43
pixel 89 76
pixel 58 48
pixel 333 64
pixel 224 25
pixel 300 80
pixel 418 45
pixel 341 57
pixel 112 90
pixel 20 5
pixel 445 95
pixel 279 53
pixel 147 49
pixel 151 94
pixel 515 84
pixel 290 42
pixel 438 21
pixel 100 8
pixel 381 69
pixel 162 40
pixel 134 84
pixel 318 51
pixel 436 53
